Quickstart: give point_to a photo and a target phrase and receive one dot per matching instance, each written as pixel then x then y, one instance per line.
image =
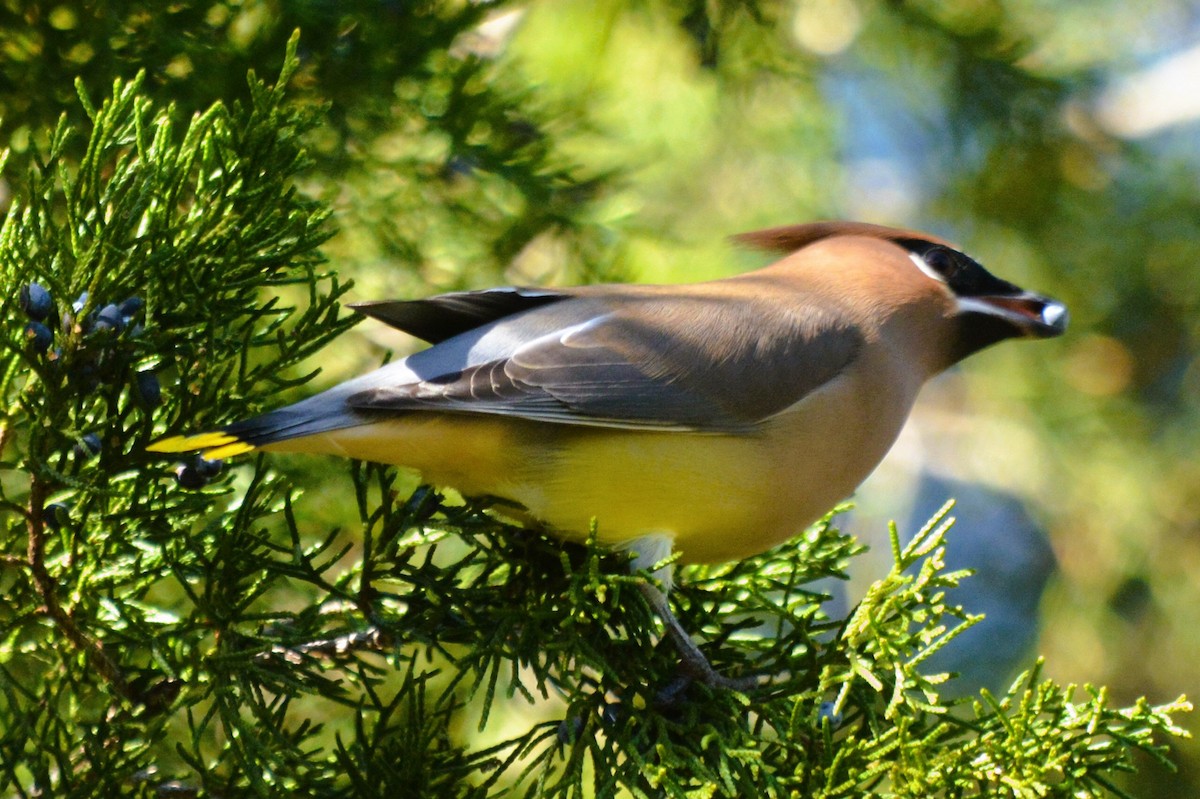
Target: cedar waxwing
pixel 714 419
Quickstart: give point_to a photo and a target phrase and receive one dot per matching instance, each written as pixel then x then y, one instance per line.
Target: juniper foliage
pixel 172 636
pixel 475 142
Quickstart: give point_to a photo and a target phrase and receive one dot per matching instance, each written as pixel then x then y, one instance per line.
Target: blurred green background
pixel 473 143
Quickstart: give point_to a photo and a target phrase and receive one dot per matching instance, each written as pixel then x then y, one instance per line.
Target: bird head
pixel 989 309
pixel 984 309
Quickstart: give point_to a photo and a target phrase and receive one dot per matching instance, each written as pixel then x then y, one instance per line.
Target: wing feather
pixel 436 319
pixel 700 365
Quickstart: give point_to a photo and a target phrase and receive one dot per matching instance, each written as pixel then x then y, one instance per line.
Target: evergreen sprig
pixel 152 251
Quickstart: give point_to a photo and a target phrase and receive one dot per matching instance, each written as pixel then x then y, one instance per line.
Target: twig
pixel 47 588
pixel 371 639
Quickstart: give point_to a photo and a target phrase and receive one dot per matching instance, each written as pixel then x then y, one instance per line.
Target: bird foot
pixel 694 666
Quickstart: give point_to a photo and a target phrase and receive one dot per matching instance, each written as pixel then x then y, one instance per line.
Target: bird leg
pixel 693 662
pixel 695 666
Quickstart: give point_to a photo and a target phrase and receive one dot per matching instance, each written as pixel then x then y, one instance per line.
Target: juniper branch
pixel 48 590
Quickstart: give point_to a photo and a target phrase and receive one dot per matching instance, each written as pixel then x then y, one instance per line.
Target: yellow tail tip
pixel 228 450
pixel 216 446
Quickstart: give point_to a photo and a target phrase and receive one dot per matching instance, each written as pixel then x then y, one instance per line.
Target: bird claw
pixel 694 666
pixel 675 691
pixel 701 671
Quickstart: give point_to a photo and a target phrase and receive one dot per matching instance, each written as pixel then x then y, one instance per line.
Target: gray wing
pixel 700 365
pixel 436 319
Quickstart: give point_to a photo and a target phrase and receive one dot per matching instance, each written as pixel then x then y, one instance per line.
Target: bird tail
pixel 318 414
pixel 329 410
pixel 215 445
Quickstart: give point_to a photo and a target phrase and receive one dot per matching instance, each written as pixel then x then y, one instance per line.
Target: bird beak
pixel 1033 315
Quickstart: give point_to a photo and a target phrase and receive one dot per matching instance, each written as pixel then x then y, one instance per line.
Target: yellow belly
pixel 719 497
pixel 704 491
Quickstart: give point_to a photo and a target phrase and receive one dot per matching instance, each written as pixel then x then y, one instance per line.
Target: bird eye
pixel 944 262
